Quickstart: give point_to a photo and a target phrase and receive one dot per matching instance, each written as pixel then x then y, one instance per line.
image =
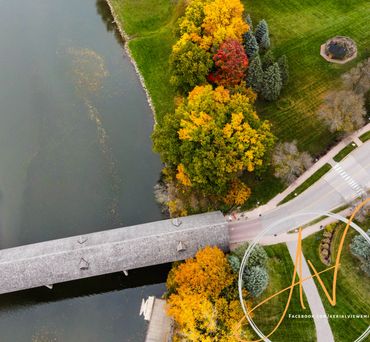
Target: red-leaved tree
pixel 231 64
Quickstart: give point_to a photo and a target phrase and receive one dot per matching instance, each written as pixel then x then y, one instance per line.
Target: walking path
pixel 323 330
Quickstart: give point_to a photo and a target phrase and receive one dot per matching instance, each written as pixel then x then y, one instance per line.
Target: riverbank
pixel 149 31
pixel 126 39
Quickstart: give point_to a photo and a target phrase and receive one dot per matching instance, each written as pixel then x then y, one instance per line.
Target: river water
pixel 75 157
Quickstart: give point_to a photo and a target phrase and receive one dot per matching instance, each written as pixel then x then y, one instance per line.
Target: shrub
pixel 271 83
pixel 330 227
pixel 326 240
pixel 325 253
pixel 325 246
pixel 190 66
pixel 250 44
pixel 256 280
pixel 327 234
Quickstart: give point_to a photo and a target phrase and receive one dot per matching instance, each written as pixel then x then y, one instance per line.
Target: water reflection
pixel 105 13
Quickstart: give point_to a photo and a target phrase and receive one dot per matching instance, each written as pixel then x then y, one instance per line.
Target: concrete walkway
pixel 323 330
pixel 160 326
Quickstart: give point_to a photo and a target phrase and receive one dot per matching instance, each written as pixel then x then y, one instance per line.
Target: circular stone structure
pixel 339 50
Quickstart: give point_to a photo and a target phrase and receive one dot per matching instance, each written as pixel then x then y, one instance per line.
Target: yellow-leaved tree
pixel 203 299
pixel 212 139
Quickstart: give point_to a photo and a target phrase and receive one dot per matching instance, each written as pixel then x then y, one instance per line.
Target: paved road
pixel 339 186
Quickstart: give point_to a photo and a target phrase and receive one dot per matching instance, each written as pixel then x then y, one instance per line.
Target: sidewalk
pixel 328 158
pixel 323 330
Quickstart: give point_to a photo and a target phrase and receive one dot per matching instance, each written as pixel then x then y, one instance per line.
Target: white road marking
pixel 350 181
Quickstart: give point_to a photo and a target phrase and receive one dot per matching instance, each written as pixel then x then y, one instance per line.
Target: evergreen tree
pixel 268 60
pixel 271 83
pixel 265 42
pixel 250 44
pixel 284 69
pixel 255 74
pixel 256 280
pixel 261 30
pixel 248 19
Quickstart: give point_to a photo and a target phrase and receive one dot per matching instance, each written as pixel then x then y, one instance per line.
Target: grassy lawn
pixel 151 26
pixel 346 150
pixel 365 137
pixel 352 288
pixel 280 267
pixel 297 29
pixel 307 183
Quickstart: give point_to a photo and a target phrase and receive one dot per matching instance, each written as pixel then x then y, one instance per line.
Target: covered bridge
pixel 50 262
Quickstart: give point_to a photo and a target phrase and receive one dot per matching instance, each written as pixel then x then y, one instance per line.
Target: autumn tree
pixel 231 63
pixel 250 44
pixel 271 84
pixel 343 111
pixel 255 74
pixel 204 298
pixel 358 78
pixel 189 65
pixel 223 20
pixel 289 162
pixel 213 137
pixel 190 24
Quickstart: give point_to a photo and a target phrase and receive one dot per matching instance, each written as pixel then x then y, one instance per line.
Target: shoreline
pixel 126 39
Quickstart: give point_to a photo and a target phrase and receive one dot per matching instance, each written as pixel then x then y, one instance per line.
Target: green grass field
pixel 353 288
pixel 280 268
